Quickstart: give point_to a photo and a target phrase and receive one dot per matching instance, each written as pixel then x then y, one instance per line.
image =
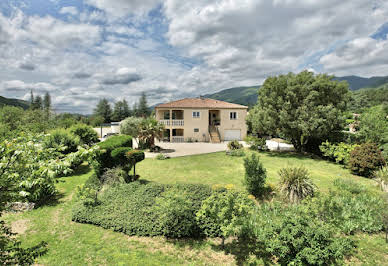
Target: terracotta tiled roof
pixel 201 103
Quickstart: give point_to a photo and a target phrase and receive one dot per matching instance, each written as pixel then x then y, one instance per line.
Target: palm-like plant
pixel 295 184
pixel 381 177
pixel 150 129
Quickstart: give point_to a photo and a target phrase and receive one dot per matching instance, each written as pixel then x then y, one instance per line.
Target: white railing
pixel 165 122
pixel 178 139
pixel 173 122
pixel 178 122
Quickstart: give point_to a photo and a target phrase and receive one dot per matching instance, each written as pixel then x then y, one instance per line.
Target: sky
pixel 81 51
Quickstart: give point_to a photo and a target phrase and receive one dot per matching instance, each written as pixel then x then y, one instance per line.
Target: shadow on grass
pixel 243 250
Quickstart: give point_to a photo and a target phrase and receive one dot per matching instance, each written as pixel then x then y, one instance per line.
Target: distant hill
pixel 248 95
pixel 13 102
pixel 240 95
pixel 356 83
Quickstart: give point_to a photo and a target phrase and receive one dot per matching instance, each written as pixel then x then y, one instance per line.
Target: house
pixel 202 119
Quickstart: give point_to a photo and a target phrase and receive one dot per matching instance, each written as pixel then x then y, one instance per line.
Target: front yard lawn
pixel 218 168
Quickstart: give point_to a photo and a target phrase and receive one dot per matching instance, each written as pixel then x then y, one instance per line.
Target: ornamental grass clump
pixel 296 184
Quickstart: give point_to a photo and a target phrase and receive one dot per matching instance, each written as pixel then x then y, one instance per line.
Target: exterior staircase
pixel 214 134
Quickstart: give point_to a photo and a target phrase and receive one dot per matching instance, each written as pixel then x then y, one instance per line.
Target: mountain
pixel 248 95
pixel 13 102
pixel 240 95
pixel 356 83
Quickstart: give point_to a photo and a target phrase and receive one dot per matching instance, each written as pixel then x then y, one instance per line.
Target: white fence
pixel 178 139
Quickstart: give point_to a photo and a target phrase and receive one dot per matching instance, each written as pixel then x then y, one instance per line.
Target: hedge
pixel 131 208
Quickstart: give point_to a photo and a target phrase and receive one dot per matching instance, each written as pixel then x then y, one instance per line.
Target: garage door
pixel 233 134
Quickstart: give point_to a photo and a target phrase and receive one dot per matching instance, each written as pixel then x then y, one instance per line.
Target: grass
pixel 218 168
pixel 72 243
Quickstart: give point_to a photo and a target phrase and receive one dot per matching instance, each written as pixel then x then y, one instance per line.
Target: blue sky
pixel 82 51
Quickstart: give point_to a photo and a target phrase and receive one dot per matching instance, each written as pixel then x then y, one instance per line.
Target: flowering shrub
pixel 340 153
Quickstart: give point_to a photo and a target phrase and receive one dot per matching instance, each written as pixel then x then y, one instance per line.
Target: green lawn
pixel 218 168
pixel 71 243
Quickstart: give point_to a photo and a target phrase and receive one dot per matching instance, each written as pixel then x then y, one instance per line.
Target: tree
pixel 104 110
pixel 47 102
pixel 135 110
pixel 374 126
pixel 150 129
pixel 38 103
pixel 131 126
pixel 304 108
pixel 31 99
pixel 255 175
pixel 120 111
pixel 10 251
pixel 143 110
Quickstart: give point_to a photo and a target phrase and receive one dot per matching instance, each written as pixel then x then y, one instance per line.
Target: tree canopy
pixel 303 108
pixel 104 110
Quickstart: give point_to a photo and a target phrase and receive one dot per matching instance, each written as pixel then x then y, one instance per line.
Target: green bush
pixel 223 214
pixel 350 210
pixel 175 216
pixel 255 175
pixel 114 176
pixel 234 145
pixel 237 153
pixel 119 156
pixel 130 208
pixel 86 134
pixel 294 237
pixel 296 184
pixel 255 143
pixel 340 153
pixel 62 141
pixel 161 156
pixel 365 159
pixel 103 159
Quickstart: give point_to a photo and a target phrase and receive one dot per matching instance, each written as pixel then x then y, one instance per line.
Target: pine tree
pixel 118 111
pixel 135 110
pixel 47 102
pixel 126 110
pixel 38 103
pixel 143 106
pixel 104 110
pixel 31 100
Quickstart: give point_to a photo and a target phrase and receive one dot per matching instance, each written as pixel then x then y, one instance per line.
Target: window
pixel 233 115
pixel 196 129
pixel 196 114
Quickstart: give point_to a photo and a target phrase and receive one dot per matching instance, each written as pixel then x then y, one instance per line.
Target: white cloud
pixel 122 8
pixel 362 56
pixel 72 10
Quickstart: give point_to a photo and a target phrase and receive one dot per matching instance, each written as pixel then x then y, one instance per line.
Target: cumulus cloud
pixel 122 76
pixel 361 56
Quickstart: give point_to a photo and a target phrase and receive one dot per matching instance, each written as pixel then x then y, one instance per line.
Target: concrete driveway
pixel 184 149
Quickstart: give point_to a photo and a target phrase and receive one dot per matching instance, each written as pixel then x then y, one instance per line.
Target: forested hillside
pixel 14 102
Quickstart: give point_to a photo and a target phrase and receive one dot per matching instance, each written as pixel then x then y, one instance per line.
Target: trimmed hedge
pixel 103 159
pixel 131 208
pixel 86 133
pixel 119 155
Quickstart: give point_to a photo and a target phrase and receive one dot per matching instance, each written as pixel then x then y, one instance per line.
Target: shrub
pixel 255 175
pixel 113 176
pixel 62 141
pixel 175 216
pixel 351 211
pixel 234 145
pixel 381 176
pixel 256 143
pixel 161 156
pixel 340 153
pixel 102 159
pixel 134 157
pixel 130 208
pixel 365 159
pixel 119 156
pixel 131 126
pixel 86 134
pixel 294 237
pixel 237 153
pixel 296 184
pixel 223 214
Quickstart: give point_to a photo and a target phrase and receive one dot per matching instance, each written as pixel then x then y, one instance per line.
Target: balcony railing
pixel 165 122
pixel 174 122
pixel 178 139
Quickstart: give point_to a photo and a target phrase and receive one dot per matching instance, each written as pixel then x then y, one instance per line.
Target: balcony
pixel 174 122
